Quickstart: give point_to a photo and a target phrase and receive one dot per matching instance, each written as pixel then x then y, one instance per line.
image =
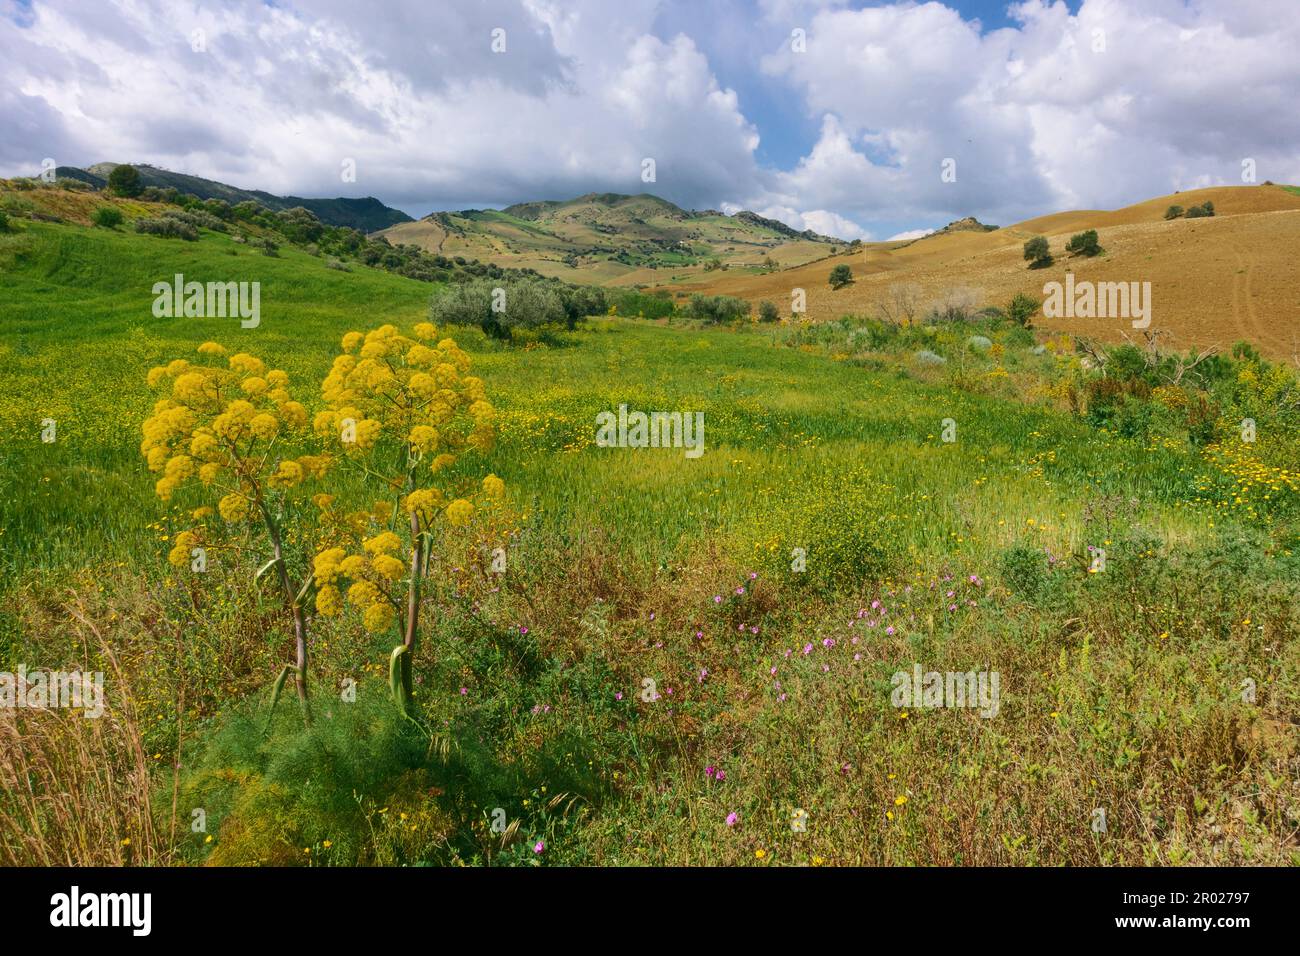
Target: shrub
pixel 1021 309
pixel 332 263
pixel 269 247
pixel 167 228
pixel 926 357
pixel 497 306
pixel 1084 244
pixel 841 276
pixel 125 181
pixel 716 309
pixel 767 312
pixel 1173 212
pixel 198 218
pixel 107 216
pixel 1038 252
pixel 1200 212
pixel 1026 570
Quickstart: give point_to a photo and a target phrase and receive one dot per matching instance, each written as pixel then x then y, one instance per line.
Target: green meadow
pixel 686 661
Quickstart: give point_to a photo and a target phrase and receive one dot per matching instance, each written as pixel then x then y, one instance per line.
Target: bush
pixel 498 306
pixel 167 228
pixel 841 276
pixel 767 312
pixel 1173 212
pixel 1200 212
pixel 125 181
pixel 1026 570
pixel 1021 309
pixel 717 309
pixel 270 248
pixel 1038 252
pixel 107 216
pixel 198 218
pixel 332 263
pixel 1084 244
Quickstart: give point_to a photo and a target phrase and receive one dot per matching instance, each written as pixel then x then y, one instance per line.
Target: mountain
pixel 614 239
pixel 368 214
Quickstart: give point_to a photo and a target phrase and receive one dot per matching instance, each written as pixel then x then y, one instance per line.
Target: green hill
pixel 367 214
pixel 610 238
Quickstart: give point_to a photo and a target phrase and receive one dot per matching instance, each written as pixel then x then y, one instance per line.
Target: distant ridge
pixel 368 214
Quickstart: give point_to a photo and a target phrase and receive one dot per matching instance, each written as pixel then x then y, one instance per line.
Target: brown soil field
pixel 1214 281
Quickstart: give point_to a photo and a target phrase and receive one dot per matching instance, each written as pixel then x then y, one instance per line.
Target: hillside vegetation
pixel 612 239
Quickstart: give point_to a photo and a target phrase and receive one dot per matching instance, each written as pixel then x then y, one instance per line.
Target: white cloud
pixel 909 234
pixel 1033 117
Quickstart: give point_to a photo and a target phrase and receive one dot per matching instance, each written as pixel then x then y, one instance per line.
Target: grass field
pixel 652 681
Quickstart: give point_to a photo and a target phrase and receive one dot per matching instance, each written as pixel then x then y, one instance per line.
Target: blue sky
pixel 893 118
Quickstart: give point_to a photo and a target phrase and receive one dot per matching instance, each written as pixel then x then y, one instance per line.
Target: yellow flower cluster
pixel 386 385
pixel 371 574
pixel 183 545
pixel 220 423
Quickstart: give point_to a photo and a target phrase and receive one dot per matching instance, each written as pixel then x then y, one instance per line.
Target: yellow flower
pixel 352 340
pixel 204 511
pixel 382 543
pixel 353 566
pixel 328 600
pixel 212 348
pixel 459 512
pixel 389 567
pixel 899 801
pixel 287 475
pixel 322 501
pixel 233 507
pixel 379 618
pixel 363 594
pixel 264 425
pixel 759 854
pixel 494 487
pixel 253 386
pixel 423 438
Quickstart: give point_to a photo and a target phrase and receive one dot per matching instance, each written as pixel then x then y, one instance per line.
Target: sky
pixel 857 119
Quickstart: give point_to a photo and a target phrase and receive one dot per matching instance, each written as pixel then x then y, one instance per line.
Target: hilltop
pixel 1214 280
pixel 615 239
pixel 367 214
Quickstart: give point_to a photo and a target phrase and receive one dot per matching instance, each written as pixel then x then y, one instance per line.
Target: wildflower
pixel 732 818
pixel 539 846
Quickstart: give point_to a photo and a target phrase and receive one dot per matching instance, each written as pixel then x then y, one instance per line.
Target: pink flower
pixel 522 629
pixel 464 691
pixel 890 630
pixel 732 819
pixel 652 615
pixel 754 629
pixel 708 771
pixel 753 575
pixel 875 605
pixel 722 774
pixel 699 635
pixel 740 590
pixel 773 670
pixel 807 649
pixel 717 599
pixel 857 657
pixel 539 846
pixel 704 672
pixel 618 695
